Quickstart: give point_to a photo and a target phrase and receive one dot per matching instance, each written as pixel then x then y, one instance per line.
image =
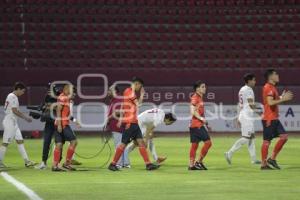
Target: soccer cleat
pixel 266 167
pixel 127 166
pixel 69 167
pixel 227 157
pixel 191 168
pixel 41 166
pixel 200 165
pixel 273 163
pixel 30 163
pixel 256 162
pixel 151 166
pixel 75 162
pixel 58 169
pixel 161 159
pixel 113 167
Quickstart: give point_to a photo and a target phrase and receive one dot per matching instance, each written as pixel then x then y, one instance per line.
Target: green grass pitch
pixel 241 181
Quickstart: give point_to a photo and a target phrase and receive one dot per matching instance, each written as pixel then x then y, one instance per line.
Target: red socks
pixel 204 150
pixel 56 156
pixel 144 154
pixel 264 151
pixel 119 151
pixel 70 153
pixel 282 140
pixel 193 149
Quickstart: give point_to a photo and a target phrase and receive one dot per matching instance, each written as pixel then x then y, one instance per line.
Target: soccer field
pixel 241 181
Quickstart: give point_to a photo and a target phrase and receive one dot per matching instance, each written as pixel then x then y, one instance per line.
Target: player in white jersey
pixel 148 121
pixel 10 124
pixel 247 110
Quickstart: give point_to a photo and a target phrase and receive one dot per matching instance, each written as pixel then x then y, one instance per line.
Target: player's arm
pixel 253 106
pixel 21 115
pixel 286 96
pixel 58 115
pixel 139 101
pixel 193 110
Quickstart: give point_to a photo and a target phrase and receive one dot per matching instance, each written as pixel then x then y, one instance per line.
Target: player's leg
pixel 252 151
pixel 117 140
pixel 194 140
pixel 130 147
pixel 126 138
pixel 59 140
pixel 48 133
pixel 267 137
pixel 8 135
pixel 69 136
pixel 236 146
pixel 283 137
pixel 205 148
pixel 22 150
pixel 3 150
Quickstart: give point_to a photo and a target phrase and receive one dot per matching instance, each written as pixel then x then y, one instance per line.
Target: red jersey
pixel 64 101
pixel 270 112
pixel 129 107
pixel 197 101
pixel 115 105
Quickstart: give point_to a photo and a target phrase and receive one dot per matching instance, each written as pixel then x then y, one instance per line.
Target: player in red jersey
pixel 198 129
pixel 63 130
pixel 272 127
pixel 131 130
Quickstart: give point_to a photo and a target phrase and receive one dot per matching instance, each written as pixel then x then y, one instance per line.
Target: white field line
pixel 20 186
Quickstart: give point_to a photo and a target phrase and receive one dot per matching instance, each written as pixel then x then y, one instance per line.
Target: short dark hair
pixel 171 117
pixel 137 79
pixel 19 85
pixel 197 84
pixel 248 77
pixel 268 73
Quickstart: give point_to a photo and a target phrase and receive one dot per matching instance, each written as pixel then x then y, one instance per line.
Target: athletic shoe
pixel 75 162
pixel 273 163
pixel 58 169
pixel 266 167
pixel 30 163
pixel 113 167
pixel 200 165
pixel 41 166
pixel 127 166
pixel 193 168
pixel 161 159
pixel 151 166
pixel 69 167
pixel 227 157
pixel 256 162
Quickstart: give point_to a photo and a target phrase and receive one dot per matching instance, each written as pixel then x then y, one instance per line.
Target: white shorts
pixel 247 127
pixel 11 130
pixel 143 129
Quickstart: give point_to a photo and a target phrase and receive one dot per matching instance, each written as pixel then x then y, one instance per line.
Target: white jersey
pixel 151 118
pixel 11 102
pixel 246 93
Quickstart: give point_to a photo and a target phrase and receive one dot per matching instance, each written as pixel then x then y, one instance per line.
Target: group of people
pixel 131 130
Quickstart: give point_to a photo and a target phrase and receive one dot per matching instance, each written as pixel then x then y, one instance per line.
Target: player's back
pixel 11 102
pixel 245 93
pixel 151 117
pixel 129 107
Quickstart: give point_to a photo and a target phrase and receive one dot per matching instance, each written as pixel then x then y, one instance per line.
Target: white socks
pixel 23 153
pixel 251 149
pixel 2 153
pixel 237 145
pixel 152 149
